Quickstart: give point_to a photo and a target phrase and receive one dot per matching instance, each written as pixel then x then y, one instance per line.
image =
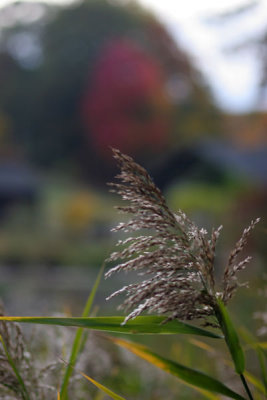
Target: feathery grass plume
pixel 177 256
pixel 38 363
pixel 230 282
pixel 13 343
pixel 31 381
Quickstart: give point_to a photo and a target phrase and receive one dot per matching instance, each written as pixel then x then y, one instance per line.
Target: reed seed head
pixel 175 256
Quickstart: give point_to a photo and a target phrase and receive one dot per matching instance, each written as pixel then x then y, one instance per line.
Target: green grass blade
pixel 231 337
pixel 102 387
pixel 24 393
pixel 187 375
pixel 255 382
pixel 258 347
pixel 78 337
pixel 140 325
pixel 250 377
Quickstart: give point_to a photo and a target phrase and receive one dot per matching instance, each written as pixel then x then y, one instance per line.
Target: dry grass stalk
pixel 13 339
pixel 177 256
pixel 22 357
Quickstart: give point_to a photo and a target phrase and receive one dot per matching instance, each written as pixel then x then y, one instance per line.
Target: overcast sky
pixel 234 76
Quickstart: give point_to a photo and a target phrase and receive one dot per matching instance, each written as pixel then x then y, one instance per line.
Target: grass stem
pixel 78 338
pixel 243 379
pixel 24 392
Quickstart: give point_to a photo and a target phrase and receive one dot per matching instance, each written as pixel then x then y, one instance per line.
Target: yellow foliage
pixel 79 210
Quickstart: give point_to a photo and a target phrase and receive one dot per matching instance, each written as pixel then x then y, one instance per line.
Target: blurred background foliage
pixel 79 78
pixel 102 74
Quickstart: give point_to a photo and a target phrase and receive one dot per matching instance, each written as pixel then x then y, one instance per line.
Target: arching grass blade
pixel 140 325
pixel 187 375
pixel 231 337
pixel 102 387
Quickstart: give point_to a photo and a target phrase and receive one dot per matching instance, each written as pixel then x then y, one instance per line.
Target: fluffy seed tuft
pixel 176 256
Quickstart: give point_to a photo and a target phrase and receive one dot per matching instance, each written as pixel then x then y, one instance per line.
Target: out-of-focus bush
pixel 79 78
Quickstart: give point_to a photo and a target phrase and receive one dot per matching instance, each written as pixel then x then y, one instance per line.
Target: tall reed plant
pixel 176 260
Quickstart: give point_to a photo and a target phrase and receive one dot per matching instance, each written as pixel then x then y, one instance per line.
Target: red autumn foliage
pixel 125 104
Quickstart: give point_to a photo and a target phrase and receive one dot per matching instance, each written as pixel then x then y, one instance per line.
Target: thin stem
pixel 76 347
pixel 24 392
pixel 243 379
pixel 232 342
